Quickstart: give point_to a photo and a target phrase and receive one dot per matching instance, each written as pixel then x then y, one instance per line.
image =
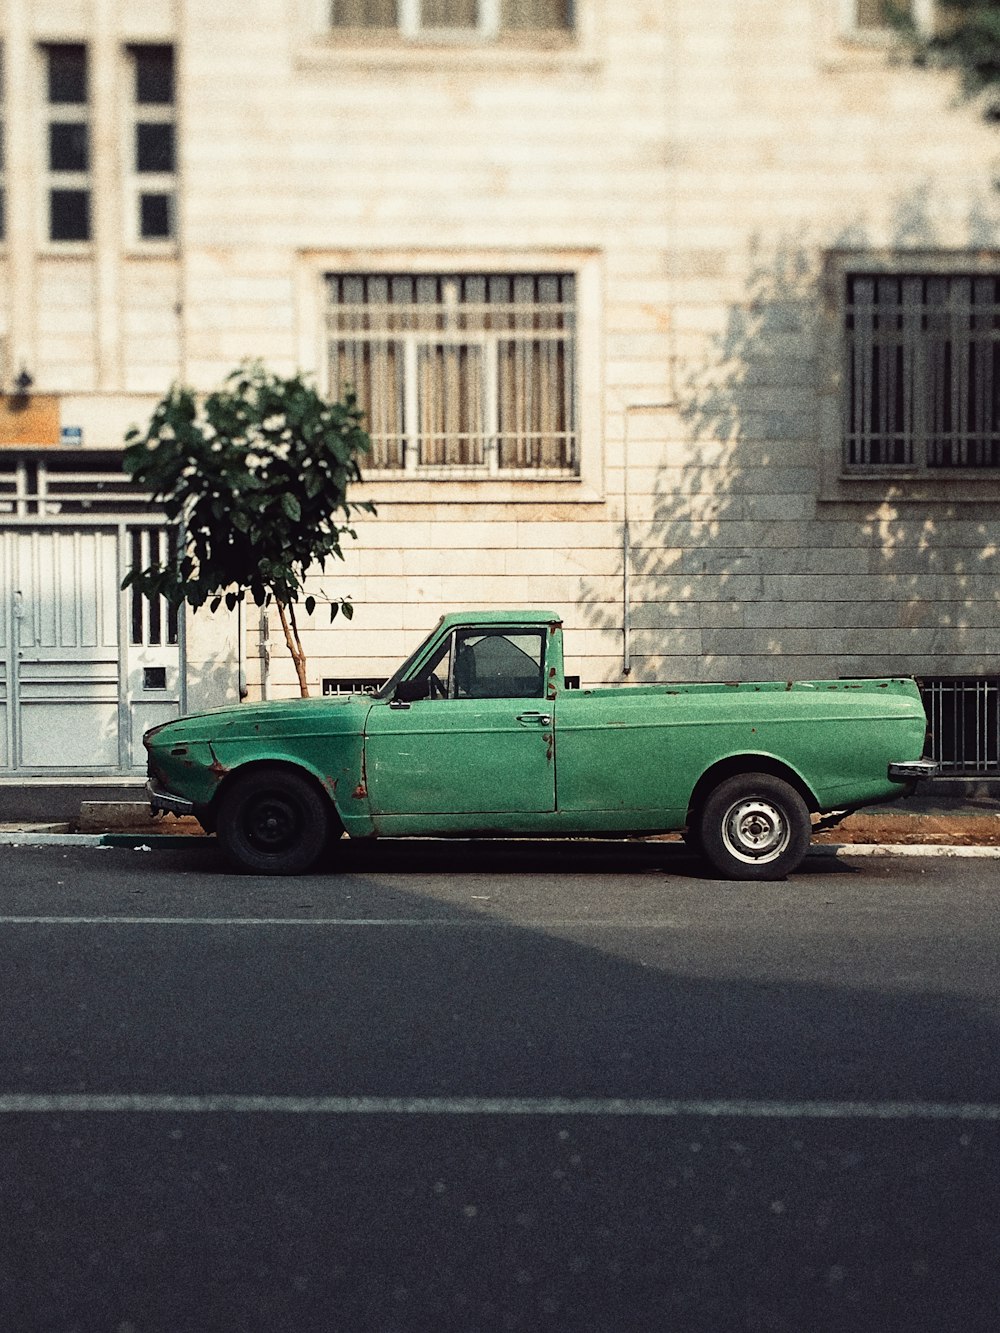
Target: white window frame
pixel 138 182
pixel 411 27
pixel 454 482
pixel 841 480
pixel 484 346
pixel 65 113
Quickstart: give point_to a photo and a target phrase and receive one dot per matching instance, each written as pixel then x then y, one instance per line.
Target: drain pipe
pixel 626 558
pixel 265 654
pixel 241 651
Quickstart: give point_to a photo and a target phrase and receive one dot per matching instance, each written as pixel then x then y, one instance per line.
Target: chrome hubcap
pixel 755 831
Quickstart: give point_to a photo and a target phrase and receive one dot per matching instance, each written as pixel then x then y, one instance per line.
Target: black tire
pixel 273 822
pixel 754 826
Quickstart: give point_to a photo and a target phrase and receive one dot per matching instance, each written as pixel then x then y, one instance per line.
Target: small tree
pixel 257 475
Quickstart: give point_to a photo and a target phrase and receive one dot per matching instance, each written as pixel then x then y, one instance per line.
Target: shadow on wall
pixel 739 568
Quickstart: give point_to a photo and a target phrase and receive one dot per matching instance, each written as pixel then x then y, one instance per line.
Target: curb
pixel 139 842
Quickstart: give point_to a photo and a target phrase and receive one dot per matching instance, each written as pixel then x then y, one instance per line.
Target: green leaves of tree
pixel 258 474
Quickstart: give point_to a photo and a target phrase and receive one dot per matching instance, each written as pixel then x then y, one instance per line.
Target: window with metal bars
pixel 922 373
pixel 153 621
pixel 479 18
pixel 963 719
pixel 463 372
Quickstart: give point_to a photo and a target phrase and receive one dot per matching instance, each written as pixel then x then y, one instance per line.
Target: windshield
pixel 388 690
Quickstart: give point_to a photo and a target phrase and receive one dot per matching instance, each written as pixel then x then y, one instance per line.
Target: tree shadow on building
pixel 741 561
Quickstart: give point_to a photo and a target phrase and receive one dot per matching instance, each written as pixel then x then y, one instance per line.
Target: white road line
pixel 615 1107
pixel 409 923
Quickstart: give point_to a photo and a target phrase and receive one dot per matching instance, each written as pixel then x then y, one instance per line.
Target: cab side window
pixel 499 664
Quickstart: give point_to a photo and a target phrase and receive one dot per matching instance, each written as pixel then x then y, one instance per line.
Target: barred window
pixel 466 372
pixel 484 18
pixel 922 373
pixel 963 718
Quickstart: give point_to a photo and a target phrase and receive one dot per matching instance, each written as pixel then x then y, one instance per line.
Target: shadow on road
pixel 498 970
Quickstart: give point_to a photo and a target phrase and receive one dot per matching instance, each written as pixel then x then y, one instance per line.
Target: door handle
pixel 543 719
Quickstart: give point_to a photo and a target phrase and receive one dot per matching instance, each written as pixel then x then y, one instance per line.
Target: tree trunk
pixel 291 630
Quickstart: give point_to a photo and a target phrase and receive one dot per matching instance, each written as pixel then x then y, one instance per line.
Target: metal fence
pixel 963 715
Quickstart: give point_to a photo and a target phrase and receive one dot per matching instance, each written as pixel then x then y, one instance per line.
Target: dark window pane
pixel 879 13
pixel 68 147
pixel 155 217
pixel 154 75
pixel 154 147
pixel 449 13
pixel 67 74
pixel 536 14
pixel 69 215
pixel 364 13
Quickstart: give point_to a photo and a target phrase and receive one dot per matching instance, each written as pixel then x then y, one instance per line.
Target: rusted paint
pixel 216 768
pixel 360 792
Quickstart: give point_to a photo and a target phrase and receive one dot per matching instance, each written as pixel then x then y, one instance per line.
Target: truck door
pixel 471 735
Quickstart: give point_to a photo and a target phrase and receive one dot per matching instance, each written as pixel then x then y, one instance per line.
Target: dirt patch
pixel 945 829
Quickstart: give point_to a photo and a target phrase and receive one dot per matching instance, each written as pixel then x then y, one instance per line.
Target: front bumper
pixel 167 801
pixel 914 770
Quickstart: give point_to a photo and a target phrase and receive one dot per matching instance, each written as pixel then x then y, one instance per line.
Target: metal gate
pixel 84 667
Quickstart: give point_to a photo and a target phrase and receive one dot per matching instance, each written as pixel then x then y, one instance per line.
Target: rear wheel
pixel 273 822
pixel 754 826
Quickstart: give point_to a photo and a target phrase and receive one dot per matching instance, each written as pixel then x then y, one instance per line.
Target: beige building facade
pixel 682 320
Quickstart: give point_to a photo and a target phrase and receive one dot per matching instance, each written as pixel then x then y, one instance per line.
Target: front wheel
pixel 754 826
pixel 273 822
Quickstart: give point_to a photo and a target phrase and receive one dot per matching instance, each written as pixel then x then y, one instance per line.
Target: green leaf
pixel 291 506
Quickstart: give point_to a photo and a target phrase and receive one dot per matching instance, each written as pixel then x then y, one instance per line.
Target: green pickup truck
pixel 475 734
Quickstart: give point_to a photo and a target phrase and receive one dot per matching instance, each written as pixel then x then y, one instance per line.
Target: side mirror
pixel 408 691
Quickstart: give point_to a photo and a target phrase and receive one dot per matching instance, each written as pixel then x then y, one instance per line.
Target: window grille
pixel 964 723
pixel 68 487
pixel 482 18
pixel 153 620
pixel 466 372
pixel 333 685
pixel 922 374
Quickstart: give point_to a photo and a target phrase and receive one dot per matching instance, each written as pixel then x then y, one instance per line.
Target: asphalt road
pixel 503 1087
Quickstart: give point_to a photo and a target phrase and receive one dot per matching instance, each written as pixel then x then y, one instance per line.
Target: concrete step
pixel 131 817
